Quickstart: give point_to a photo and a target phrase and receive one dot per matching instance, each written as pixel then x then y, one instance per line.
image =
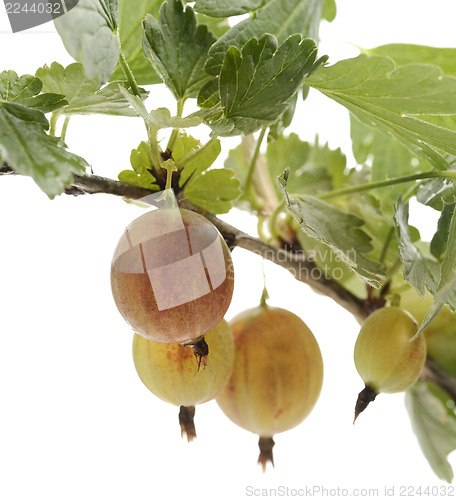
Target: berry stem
pixel 265 444
pixel 366 396
pixel 186 415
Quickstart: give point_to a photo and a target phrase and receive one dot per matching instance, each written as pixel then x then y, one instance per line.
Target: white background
pixel 75 420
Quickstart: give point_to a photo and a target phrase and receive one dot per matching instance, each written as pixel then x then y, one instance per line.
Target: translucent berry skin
pixel 384 356
pixel 277 375
pixel 172 276
pixel 170 371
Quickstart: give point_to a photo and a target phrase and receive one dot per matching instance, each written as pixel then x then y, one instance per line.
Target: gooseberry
pixel 385 358
pixel 277 374
pixel 172 276
pixel 170 371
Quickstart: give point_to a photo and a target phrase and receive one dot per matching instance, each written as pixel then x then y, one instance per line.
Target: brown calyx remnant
pixel 265 444
pixel 366 396
pixel 200 350
pixel 186 415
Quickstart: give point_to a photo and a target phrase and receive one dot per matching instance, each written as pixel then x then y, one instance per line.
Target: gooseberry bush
pixel 242 69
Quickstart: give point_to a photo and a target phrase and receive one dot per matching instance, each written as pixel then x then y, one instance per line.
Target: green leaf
pixel 406 53
pixel 83 94
pixel 338 230
pixel 217 27
pixel 26 147
pixel 329 10
pixel 131 15
pixel 196 161
pixel 141 175
pixel 177 48
pixel 214 191
pixel 436 192
pixel 26 90
pixel 280 18
pixel 72 82
pixel 387 157
pixel 161 118
pixel 313 168
pixel 396 100
pixel 418 270
pixel 87 31
pixel 109 100
pixel 434 425
pixel 439 240
pixel 446 289
pixel 261 73
pixel 227 8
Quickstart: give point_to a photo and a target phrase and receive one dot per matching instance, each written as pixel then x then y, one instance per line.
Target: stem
pixel 386 245
pixel 53 122
pixel 64 128
pixel 248 179
pixel 128 73
pixel 380 184
pixel 154 147
pixel 175 132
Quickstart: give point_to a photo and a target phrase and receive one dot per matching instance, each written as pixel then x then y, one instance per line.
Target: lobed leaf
pixel 177 48
pixel 26 90
pixel 340 231
pixel 396 100
pixel 281 18
pixel 131 15
pixel 434 425
pixel 261 73
pixel 141 175
pixel 214 191
pixel 88 33
pixel 407 53
pixel 418 270
pixel 26 147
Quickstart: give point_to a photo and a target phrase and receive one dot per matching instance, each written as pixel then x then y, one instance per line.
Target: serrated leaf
pixel 26 90
pixel 227 8
pixel 418 270
pixel 396 100
pixel 446 289
pixel 439 240
pixel 406 53
pixel 141 175
pixel 434 425
pixel 84 95
pixel 131 15
pixel 436 192
pixel 72 82
pixel 214 191
pixel 26 147
pixel 340 231
pixel 313 168
pixel 196 161
pixel 177 48
pixel 109 100
pixel 261 73
pixel 161 118
pixel 387 157
pixel 280 18
pixel 87 31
